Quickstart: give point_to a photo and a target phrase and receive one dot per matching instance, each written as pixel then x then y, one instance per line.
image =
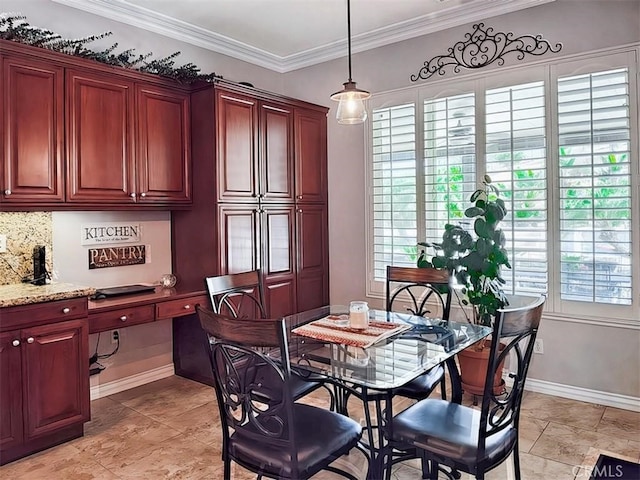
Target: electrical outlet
pixel 538 346
pixel 115 336
pixel 3 243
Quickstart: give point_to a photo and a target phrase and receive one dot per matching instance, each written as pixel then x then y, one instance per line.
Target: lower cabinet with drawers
pixel 44 375
pixel 44 361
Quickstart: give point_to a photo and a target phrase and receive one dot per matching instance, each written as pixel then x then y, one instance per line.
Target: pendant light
pixel 351 108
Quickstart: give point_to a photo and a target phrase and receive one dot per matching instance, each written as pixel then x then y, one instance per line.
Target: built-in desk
pixel 127 310
pixel 189 340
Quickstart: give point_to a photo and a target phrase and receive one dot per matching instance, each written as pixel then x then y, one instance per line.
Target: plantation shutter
pixel 595 187
pixel 449 161
pixel 516 161
pixel 394 187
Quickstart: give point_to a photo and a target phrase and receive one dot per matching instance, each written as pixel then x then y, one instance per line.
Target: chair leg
pixel 516 461
pixel 443 388
pixel 433 468
pixel 227 469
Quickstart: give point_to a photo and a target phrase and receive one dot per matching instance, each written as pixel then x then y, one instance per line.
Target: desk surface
pixel 390 363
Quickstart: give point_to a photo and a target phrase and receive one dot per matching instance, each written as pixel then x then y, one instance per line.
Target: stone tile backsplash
pixel 24 230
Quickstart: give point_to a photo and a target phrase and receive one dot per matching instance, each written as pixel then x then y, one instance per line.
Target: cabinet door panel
pixel 100 117
pixel 276 130
pixel 56 376
pixel 10 391
pixel 236 132
pixel 311 156
pixel 278 265
pixel 280 297
pixel 33 131
pixel 238 233
pixel 313 270
pixel 278 241
pixel 163 162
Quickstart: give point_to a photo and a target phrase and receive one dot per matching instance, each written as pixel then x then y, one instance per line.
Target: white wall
pixel 142 347
pixel 70 258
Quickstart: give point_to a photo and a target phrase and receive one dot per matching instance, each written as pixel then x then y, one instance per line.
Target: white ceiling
pixel 285 35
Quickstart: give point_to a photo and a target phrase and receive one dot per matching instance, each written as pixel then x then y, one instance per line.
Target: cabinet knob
pixel 66 310
pixel 123 318
pixel 299 210
pixel 7 192
pixel 143 194
pixel 16 343
pixel 261 195
pixel 299 197
pixel 187 307
pixel 30 340
pixel 132 194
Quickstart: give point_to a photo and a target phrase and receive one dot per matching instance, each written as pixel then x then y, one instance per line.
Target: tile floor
pixel 169 430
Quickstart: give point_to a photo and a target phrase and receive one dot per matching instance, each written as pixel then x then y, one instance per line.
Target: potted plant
pixel 476 261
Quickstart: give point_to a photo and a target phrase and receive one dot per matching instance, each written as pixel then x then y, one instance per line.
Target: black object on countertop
pixel 122 290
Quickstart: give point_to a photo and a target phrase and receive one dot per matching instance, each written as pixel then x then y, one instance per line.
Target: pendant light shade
pixel 351 109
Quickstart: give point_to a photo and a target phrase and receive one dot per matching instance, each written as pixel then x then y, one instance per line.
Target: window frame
pixel 549 72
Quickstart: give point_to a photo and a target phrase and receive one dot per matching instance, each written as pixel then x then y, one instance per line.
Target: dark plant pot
pixel 474 363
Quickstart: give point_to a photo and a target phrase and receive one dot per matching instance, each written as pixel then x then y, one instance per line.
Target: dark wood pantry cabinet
pixel 78 134
pixel 260 195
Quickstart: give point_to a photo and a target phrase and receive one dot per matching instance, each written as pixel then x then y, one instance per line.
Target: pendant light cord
pixel 349 34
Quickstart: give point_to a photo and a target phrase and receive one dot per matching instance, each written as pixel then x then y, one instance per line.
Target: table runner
pixel 328 330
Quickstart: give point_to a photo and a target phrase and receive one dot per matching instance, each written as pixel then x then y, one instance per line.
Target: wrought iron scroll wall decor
pixel 482 48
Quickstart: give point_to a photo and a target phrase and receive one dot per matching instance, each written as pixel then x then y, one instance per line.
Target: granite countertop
pixel 26 293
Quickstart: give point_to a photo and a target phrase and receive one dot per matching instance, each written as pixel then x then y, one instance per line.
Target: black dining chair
pixel 427 292
pixel 238 295
pixel 466 438
pixel 278 438
pixel 241 296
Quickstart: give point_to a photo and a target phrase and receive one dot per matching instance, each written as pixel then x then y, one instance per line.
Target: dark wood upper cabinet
pixel 311 156
pixel 255 149
pixel 163 163
pixel 236 131
pixel 275 155
pixel 33 131
pixel 100 138
pixel 77 134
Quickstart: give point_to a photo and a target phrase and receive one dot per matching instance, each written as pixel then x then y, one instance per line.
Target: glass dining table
pixel 371 364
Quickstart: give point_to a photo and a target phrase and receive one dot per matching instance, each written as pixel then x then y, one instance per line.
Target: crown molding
pixel 139 17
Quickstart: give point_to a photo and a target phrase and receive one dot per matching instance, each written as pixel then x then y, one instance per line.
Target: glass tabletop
pixel 389 363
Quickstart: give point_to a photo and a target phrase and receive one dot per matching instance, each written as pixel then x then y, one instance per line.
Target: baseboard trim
pixel 132 381
pixel 624 402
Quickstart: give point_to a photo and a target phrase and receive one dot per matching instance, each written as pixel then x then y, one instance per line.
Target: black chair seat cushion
pixel 320 434
pixel 450 430
pixel 422 386
pixel 299 386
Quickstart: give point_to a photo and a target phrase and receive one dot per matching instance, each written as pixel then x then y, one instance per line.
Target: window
pixel 595 187
pixel 557 140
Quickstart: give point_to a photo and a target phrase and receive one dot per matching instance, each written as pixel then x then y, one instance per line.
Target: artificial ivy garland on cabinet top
pixel 14 27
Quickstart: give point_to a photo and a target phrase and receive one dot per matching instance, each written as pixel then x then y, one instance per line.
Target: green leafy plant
pixel 476 260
